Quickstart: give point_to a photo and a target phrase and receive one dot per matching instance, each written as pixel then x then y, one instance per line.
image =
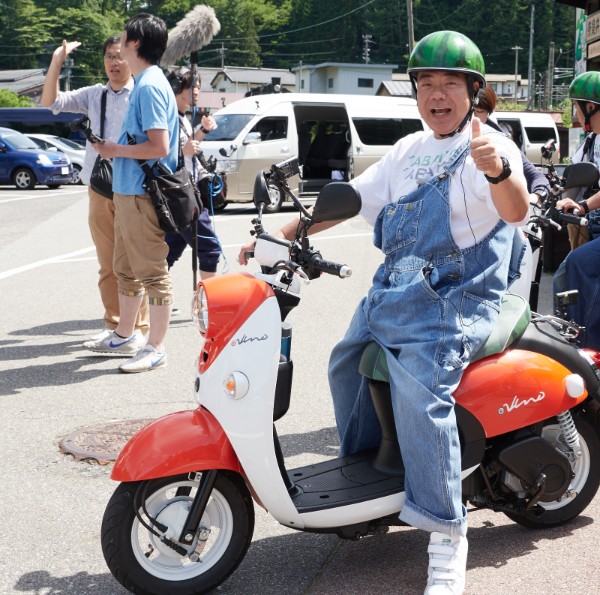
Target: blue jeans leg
pixel 583 274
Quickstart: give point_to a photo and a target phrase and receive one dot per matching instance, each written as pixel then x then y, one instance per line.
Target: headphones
pixel 176 81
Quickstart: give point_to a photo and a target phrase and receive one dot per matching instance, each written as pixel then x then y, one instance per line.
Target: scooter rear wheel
pixel 144 564
pixel 585 481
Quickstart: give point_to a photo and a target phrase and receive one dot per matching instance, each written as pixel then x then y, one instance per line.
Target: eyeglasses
pixel 113 58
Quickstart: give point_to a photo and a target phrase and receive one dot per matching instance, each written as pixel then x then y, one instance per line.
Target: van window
pixel 272 128
pixel 540 134
pixel 380 131
pixel 228 126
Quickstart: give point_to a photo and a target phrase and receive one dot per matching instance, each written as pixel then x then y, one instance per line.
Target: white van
pixel 530 131
pixel 334 137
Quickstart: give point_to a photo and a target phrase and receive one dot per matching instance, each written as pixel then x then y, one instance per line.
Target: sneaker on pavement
pixel 100 336
pixel 116 345
pixel 146 359
pixel 447 564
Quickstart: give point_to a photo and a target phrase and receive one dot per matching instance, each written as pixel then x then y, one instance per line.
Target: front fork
pixel 192 521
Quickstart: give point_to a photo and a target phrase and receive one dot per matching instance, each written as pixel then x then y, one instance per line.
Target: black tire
pixel 54 186
pixel 276 195
pixel 160 570
pixel 585 482
pixel 218 203
pixel 24 179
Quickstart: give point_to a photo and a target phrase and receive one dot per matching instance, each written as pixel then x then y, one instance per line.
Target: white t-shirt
pixel 419 157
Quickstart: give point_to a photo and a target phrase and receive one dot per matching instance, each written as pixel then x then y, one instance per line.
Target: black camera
pixel 548 149
pixel 83 125
pixel 285 169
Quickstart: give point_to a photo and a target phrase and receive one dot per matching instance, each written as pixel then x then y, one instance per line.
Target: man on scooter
pixel 580 269
pixel 444 204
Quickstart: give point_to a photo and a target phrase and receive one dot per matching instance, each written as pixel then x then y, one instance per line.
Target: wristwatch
pixel 506 171
pixel 202 129
pixel 584 204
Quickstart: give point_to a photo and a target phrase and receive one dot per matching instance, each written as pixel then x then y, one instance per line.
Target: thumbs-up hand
pixel 484 152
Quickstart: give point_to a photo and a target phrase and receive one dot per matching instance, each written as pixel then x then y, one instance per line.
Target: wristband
pixel 203 130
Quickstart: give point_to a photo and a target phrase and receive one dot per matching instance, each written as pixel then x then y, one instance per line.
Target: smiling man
pixel 444 204
pixel 101 216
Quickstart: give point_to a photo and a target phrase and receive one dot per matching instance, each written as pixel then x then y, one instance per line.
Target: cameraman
pixel 186 87
pixel 87 100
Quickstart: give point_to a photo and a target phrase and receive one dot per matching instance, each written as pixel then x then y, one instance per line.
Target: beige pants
pixel 101 220
pixel 140 256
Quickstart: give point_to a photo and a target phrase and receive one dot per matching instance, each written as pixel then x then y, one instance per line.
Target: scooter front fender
pixel 181 442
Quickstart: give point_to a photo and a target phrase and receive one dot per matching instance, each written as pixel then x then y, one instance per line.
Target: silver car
pixel 73 150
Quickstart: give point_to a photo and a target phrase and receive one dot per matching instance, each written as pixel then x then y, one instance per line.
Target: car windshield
pixel 229 126
pixel 17 140
pixel 65 142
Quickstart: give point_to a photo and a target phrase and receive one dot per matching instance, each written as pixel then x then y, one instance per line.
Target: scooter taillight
pixel 594 358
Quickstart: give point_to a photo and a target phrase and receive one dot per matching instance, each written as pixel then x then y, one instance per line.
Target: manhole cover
pixel 101 443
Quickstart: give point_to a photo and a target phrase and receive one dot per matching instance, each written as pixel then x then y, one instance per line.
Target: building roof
pixel 395 88
pixel 347 65
pixel 256 76
pixel 22 81
pixel 215 100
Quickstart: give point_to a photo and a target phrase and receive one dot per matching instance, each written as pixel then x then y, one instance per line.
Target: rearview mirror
pixel 581 175
pixel 252 138
pixel 260 194
pixel 336 201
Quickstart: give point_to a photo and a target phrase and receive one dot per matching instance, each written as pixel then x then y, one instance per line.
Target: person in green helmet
pixel 580 269
pixel 444 204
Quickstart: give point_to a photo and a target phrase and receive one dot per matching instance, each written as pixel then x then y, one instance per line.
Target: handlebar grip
pixel 574 219
pixel 331 268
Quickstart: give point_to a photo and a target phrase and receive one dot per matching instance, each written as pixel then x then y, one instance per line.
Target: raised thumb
pixel 476 127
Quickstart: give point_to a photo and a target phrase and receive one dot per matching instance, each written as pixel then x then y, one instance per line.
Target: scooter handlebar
pixel 331 268
pixel 573 218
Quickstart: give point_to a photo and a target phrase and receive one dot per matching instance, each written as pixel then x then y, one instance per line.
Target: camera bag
pixel 102 173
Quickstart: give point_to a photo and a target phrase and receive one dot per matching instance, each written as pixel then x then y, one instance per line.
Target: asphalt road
pixel 50 388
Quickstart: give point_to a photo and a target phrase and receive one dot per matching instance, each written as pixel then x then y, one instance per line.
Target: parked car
pixel 24 164
pixel 75 152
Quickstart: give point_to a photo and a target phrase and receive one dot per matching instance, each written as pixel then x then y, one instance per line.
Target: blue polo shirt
pixel 152 106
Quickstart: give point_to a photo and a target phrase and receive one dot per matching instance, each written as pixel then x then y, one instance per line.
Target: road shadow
pixel 41 581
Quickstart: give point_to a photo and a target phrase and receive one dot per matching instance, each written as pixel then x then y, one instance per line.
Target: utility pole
pixel 530 81
pixel 411 28
pixel 221 51
pixel 299 89
pixel 366 51
pixel 68 64
pixel 516 50
pixel 550 77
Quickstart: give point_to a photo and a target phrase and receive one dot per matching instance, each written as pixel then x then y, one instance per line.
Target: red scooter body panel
pixel 514 389
pixel 181 442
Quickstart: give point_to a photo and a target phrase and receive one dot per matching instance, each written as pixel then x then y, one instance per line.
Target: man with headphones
pixel 186 86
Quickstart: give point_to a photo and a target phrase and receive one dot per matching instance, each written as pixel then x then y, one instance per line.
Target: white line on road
pixel 42 195
pixel 71 256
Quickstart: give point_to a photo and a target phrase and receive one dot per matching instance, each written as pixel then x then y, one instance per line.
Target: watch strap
pixel 506 171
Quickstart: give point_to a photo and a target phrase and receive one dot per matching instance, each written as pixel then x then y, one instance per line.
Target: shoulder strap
pixel 103 111
pixel 588 146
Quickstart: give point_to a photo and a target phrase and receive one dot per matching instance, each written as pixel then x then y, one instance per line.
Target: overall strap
pixel 458 157
pixel 588 147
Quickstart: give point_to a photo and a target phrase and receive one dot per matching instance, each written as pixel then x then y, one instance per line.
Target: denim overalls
pixel 431 306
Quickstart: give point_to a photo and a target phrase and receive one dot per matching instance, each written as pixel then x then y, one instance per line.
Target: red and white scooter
pixel 182 518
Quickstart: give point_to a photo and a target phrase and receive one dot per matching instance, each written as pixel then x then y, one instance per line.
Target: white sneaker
pixel 113 344
pixel 100 336
pixel 145 360
pixel 447 564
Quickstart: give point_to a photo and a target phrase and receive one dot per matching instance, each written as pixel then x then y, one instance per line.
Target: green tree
pixel 12 99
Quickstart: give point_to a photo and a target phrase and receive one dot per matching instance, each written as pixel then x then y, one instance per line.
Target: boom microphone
pixel 195 30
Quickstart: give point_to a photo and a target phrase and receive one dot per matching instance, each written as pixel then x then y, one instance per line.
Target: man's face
pixel 117 69
pixel 188 97
pixel 442 99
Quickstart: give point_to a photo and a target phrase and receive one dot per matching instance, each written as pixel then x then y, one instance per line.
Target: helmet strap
pixel 587 125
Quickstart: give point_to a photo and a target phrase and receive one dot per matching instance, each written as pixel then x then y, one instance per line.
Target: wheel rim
pixel 22 179
pixel 170 505
pixel 75 179
pixel 275 196
pixel 580 466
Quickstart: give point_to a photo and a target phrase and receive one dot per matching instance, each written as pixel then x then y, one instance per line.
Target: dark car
pixel 24 164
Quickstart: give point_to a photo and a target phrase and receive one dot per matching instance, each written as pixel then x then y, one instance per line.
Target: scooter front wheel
pixel 143 563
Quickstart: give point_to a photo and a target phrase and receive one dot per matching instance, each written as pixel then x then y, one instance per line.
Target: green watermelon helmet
pixel 585 88
pixel 448 50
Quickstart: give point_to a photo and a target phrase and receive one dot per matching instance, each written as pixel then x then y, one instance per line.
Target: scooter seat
pixel 513 319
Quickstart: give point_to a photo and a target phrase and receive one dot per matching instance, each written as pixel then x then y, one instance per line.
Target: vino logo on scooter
pixel 245 339
pixel 516 403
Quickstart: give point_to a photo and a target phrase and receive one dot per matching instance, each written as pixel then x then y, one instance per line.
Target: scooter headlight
pixel 200 309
